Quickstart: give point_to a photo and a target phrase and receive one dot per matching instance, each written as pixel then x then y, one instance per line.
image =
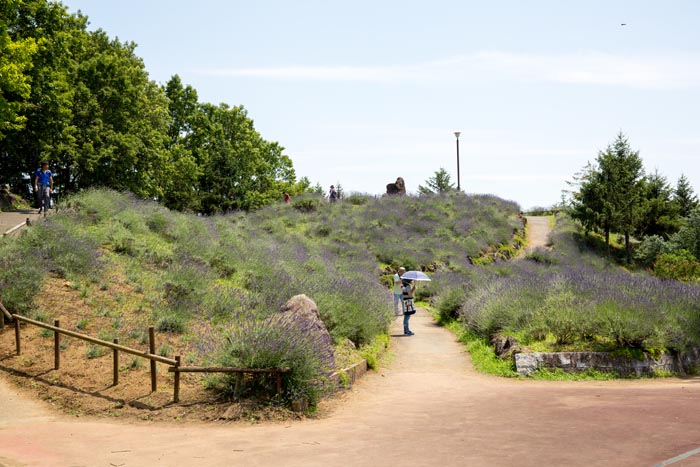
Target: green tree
pixel 47 133
pixel 243 171
pixel 688 237
pixel 659 214
pixel 15 61
pixel 438 183
pixel 610 195
pixel 587 200
pixel 120 118
pixel 685 197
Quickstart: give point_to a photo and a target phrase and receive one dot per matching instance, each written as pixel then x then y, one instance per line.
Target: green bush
pixel 680 265
pixel 649 250
pixel 449 302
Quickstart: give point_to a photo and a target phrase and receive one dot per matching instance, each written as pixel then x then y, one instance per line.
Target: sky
pixel 362 92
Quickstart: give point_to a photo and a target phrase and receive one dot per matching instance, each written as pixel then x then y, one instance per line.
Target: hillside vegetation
pixel 216 282
pixel 570 298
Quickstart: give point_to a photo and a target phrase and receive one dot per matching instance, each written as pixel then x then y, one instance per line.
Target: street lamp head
pixel 457 133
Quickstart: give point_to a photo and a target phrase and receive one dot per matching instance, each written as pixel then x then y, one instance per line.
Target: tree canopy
pixel 85 102
pixel 615 195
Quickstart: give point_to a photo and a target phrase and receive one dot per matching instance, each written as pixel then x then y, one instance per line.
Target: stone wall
pixel 688 362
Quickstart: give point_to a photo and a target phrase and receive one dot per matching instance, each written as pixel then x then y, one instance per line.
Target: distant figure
pixel 333 195
pixel 43 186
pixel 398 292
pixel 398 188
pixel 286 197
pixel 409 309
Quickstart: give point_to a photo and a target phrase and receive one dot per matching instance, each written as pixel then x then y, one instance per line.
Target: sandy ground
pixel 8 220
pixel 427 407
pixel 538 229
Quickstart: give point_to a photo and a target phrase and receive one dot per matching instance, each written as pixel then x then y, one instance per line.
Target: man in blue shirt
pixel 43 186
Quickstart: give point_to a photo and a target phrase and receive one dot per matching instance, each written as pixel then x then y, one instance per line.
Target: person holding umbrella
pixel 409 308
pixel 408 287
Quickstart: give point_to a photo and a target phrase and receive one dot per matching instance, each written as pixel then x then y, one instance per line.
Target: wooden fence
pixel 174 364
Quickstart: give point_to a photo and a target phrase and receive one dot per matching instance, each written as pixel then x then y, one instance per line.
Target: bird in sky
pixel 623 24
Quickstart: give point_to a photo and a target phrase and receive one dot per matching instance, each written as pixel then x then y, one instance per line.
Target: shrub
pixel 171 323
pixel 282 341
pixel 449 302
pixel 649 250
pixel 680 265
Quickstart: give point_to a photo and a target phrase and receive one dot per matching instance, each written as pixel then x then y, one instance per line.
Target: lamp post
pixel 459 187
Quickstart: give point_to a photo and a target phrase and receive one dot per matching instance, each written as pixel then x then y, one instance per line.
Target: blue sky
pixel 363 92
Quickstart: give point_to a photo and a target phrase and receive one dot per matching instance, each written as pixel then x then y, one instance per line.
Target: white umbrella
pixel 415 276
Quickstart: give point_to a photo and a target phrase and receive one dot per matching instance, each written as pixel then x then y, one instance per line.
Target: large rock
pixel 397 188
pixel 306 315
pixel 505 346
pixel 306 309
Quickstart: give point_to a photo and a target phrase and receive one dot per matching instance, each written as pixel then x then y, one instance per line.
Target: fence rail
pixel 174 364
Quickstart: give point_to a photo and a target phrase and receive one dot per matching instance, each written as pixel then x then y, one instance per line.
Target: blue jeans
pixel 397 300
pixel 405 323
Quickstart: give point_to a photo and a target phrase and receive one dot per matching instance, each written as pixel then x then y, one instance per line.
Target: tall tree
pixel 685 197
pixel 610 195
pixel 438 183
pixel 120 119
pixel 15 61
pixel 621 175
pixel 659 214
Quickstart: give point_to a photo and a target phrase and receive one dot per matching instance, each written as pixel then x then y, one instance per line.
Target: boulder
pixel 397 188
pixel 303 306
pixel 505 346
pixel 304 312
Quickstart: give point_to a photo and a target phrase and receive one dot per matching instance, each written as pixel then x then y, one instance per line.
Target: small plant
pixel 105 335
pixel 82 324
pixel 171 323
pixel 117 322
pixel 134 364
pixel 96 351
pixel 164 350
pixel 45 333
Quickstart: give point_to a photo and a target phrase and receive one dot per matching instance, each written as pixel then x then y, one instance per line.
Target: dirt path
pixel 428 407
pixel 8 220
pixel 538 230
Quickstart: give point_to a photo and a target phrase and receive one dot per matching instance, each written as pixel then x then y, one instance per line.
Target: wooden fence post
pixel 56 346
pixel 176 385
pixel 17 337
pixel 152 351
pixel 278 379
pixel 115 353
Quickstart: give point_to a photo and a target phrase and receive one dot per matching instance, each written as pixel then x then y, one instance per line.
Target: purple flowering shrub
pixel 576 297
pixel 283 340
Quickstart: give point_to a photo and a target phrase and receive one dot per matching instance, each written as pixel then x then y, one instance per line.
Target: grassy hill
pixel 109 264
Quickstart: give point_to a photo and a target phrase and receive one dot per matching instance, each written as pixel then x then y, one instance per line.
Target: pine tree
pixel 685 197
pixel 438 183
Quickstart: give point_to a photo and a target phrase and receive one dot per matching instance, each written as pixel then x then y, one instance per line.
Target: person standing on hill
pixel 409 307
pixel 43 186
pixel 396 281
pixel 333 195
pixel 286 197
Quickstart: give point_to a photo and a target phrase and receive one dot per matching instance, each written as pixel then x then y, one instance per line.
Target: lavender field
pixel 569 298
pixel 215 284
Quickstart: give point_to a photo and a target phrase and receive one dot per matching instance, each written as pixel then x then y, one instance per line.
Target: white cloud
pixel 580 68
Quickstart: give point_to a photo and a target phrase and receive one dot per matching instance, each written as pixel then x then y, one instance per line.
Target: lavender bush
pixel 575 297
